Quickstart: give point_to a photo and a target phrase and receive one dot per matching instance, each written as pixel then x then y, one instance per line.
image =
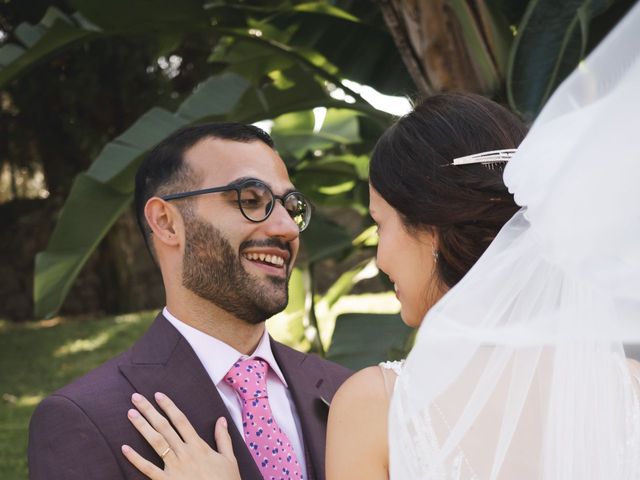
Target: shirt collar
pixel 216 356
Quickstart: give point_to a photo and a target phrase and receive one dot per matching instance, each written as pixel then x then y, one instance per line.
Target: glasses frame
pixel 237 187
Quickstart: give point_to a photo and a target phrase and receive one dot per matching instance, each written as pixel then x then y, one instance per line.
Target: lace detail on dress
pixel 422 438
pixel 395 365
pixel 389 378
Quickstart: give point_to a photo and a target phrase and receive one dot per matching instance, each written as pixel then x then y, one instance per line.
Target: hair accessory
pixel 489 159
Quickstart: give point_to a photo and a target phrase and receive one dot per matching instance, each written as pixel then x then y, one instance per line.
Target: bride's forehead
pixel 377 203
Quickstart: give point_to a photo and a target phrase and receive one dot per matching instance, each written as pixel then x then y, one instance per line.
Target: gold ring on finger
pixel 164 454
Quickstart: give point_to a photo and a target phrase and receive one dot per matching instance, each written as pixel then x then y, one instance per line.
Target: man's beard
pixel 213 271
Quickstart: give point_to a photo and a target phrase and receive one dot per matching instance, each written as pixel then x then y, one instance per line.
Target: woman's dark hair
pixel 465 206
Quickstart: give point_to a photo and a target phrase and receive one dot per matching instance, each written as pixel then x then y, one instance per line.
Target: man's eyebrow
pixel 244 179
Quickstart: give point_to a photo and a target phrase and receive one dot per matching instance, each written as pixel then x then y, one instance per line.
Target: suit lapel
pixel 163 361
pixel 308 385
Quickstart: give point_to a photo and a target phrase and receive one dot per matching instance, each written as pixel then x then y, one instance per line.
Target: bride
pixel 519 370
pixel 436 213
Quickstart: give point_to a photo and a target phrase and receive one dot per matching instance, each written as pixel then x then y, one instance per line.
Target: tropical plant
pixel 518 50
pixel 266 63
pixel 280 60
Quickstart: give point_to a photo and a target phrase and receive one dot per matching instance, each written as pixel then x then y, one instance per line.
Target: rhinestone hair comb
pixel 489 159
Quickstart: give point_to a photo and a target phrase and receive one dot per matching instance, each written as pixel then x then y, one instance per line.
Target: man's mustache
pixel 268 242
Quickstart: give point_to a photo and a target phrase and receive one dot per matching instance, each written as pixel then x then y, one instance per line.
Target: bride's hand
pixel 185 454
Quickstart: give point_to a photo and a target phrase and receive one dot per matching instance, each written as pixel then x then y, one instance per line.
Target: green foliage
pixel 324 239
pixel 88 214
pixel 279 60
pixel 294 133
pixel 100 195
pixel 524 49
pixel 55 31
pixel 289 326
pixel 363 339
pixel 343 285
pixel 125 16
pixel 551 40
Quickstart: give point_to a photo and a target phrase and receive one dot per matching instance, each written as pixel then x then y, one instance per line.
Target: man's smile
pixel 272 261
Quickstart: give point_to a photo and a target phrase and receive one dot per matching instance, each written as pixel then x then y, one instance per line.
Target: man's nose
pixel 280 224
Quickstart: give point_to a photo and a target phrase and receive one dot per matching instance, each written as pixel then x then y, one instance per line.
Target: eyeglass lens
pixel 256 201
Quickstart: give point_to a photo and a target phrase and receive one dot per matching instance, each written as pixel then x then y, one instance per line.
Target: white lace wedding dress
pixel 519 372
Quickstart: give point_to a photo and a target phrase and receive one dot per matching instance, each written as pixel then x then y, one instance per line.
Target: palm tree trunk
pixel 430 41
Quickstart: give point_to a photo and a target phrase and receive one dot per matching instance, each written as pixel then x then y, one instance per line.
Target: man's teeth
pixel 272 259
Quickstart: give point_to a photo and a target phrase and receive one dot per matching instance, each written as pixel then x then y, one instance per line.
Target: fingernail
pixel 133 413
pixel 223 421
pixel 136 397
pixel 159 396
pixel 125 448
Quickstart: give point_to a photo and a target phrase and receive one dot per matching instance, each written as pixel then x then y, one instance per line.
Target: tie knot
pixel 249 378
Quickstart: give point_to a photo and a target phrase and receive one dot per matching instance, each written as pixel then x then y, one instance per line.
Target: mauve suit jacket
pixel 76 433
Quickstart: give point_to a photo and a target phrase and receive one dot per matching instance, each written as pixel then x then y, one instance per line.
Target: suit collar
pixel 218 357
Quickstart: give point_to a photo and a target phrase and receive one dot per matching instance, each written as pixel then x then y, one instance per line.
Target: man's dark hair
pixel 465 206
pixel 163 169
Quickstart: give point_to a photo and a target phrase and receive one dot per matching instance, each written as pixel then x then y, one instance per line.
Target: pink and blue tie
pixel 269 445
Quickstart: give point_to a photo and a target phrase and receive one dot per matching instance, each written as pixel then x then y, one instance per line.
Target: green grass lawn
pixel 38 358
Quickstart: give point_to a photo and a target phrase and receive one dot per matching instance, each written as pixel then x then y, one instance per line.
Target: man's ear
pixel 164 220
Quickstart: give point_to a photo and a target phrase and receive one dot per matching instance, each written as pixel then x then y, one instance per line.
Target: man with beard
pixel 222 221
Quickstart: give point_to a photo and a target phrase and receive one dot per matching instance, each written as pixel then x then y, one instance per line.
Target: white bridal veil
pixel 519 371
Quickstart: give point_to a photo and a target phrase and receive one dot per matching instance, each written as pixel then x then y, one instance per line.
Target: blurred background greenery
pixel 87 87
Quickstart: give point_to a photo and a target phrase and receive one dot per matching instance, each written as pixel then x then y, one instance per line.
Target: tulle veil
pixel 519 372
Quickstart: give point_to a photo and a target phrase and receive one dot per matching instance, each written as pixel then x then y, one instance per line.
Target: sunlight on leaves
pixel 368 238
pixel 395 105
pixel 336 189
pixel 280 80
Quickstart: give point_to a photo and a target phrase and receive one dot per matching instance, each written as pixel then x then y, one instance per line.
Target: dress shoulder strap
pixel 390 372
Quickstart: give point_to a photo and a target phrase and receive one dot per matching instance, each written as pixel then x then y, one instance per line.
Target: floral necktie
pixel 269 445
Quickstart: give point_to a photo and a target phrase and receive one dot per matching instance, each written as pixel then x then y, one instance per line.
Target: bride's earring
pixel 435 254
